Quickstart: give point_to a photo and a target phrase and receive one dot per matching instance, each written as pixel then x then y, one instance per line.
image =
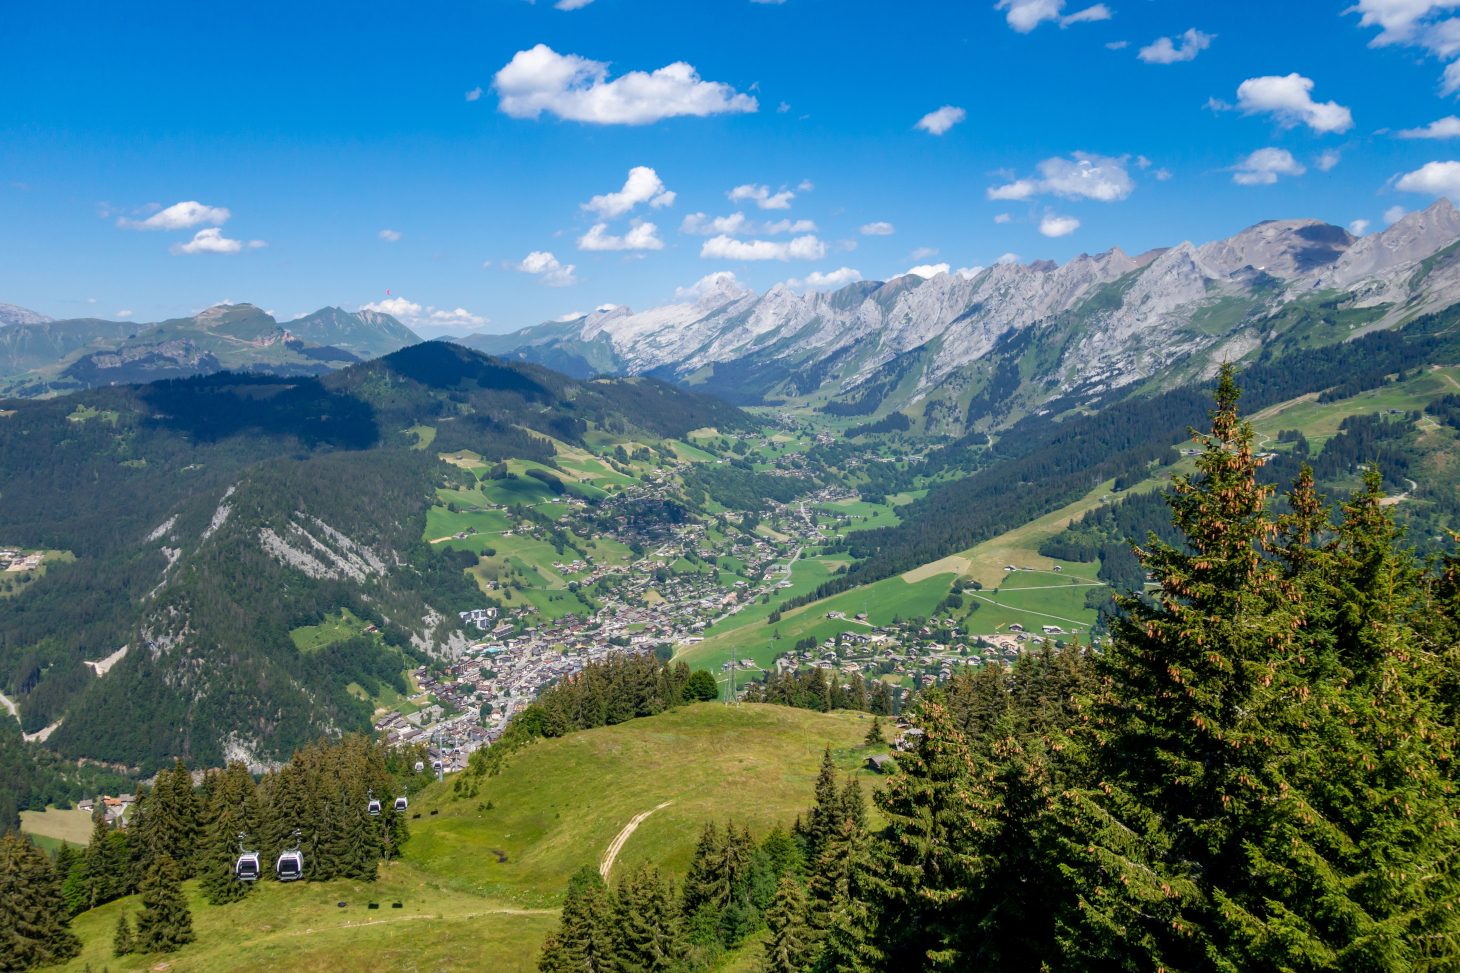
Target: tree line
pixel 1255 773
pixel 821 690
pixel 317 803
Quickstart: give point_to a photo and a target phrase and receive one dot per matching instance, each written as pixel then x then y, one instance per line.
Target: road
pixel 617 844
pixel 10 706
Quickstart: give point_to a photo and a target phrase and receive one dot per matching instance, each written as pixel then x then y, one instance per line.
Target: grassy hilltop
pixel 558 806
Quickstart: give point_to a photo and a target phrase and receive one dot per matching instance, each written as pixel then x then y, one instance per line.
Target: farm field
pixel 72 827
pixel 884 600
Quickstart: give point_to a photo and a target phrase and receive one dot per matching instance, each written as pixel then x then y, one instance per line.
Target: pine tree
pixel 165 923
pixel 874 736
pixel 585 941
pixel 881 703
pixel 220 884
pixel 826 815
pixel 34 922
pixel 70 869
pixel 698 890
pixel 789 946
pixel 1187 729
pixel 122 940
pixel 646 925
pixel 934 808
pixel 102 876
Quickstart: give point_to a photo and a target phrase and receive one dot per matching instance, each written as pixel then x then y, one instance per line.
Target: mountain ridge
pixel 1119 322
pixel 49 357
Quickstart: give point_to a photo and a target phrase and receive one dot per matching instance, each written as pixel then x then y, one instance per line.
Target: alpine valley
pixel 456 625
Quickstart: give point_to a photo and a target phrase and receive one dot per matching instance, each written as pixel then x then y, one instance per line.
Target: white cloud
pixel 571 4
pixel 703 286
pixel 1357 227
pixel 926 270
pixel 1418 23
pixel 459 316
pixel 124 314
pixel 1089 15
pixel 1162 175
pixel 1002 218
pixel 547 269
pixel 817 281
pixel 1055 226
pixel 729 248
pixel 1088 177
pixel 878 229
pixel 1008 258
pixel 1025 15
pixel 391 235
pixel 736 224
pixel 91 300
pixel 570 316
pixel 212 240
pixel 1435 178
pixel 1163 51
pixel 1117 45
pixel 396 307
pixel 1394 214
pixel 940 121
pixel 922 252
pixel 786 226
pixel 1263 167
pixel 733 224
pixel 641 236
pixel 577 89
pixel 1443 128
pixel 968 273
pixel 1326 160
pixel 806 186
pixel 179 216
pixel 474 94
pixel 642 186
pixel 1288 98
pixel 783 108
pixel 762 197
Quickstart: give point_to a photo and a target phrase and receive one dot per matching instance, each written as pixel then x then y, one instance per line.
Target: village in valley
pixel 600 556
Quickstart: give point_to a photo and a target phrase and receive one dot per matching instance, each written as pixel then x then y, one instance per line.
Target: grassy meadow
pixel 480 889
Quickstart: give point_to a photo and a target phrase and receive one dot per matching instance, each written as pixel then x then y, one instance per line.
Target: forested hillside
pixel 207 518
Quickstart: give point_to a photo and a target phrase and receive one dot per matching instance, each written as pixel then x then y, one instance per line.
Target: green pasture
pixel 1034 599
pixel 425 436
pixel 335 628
pixel 884 600
pixel 1318 423
pixel 303 927
pixel 561 802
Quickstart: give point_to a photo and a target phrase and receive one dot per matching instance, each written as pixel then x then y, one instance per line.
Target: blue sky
pixel 157 159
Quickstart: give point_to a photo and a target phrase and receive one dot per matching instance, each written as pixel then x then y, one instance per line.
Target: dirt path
pixel 5 700
pixel 617 845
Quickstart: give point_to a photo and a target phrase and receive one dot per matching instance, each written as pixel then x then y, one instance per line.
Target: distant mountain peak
pixel 14 314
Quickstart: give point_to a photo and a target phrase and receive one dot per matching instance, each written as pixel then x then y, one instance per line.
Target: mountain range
pixel 973 353
pixel 40 356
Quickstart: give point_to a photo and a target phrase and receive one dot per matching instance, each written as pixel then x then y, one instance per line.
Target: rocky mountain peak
pixel 1281 248
pixel 14 314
